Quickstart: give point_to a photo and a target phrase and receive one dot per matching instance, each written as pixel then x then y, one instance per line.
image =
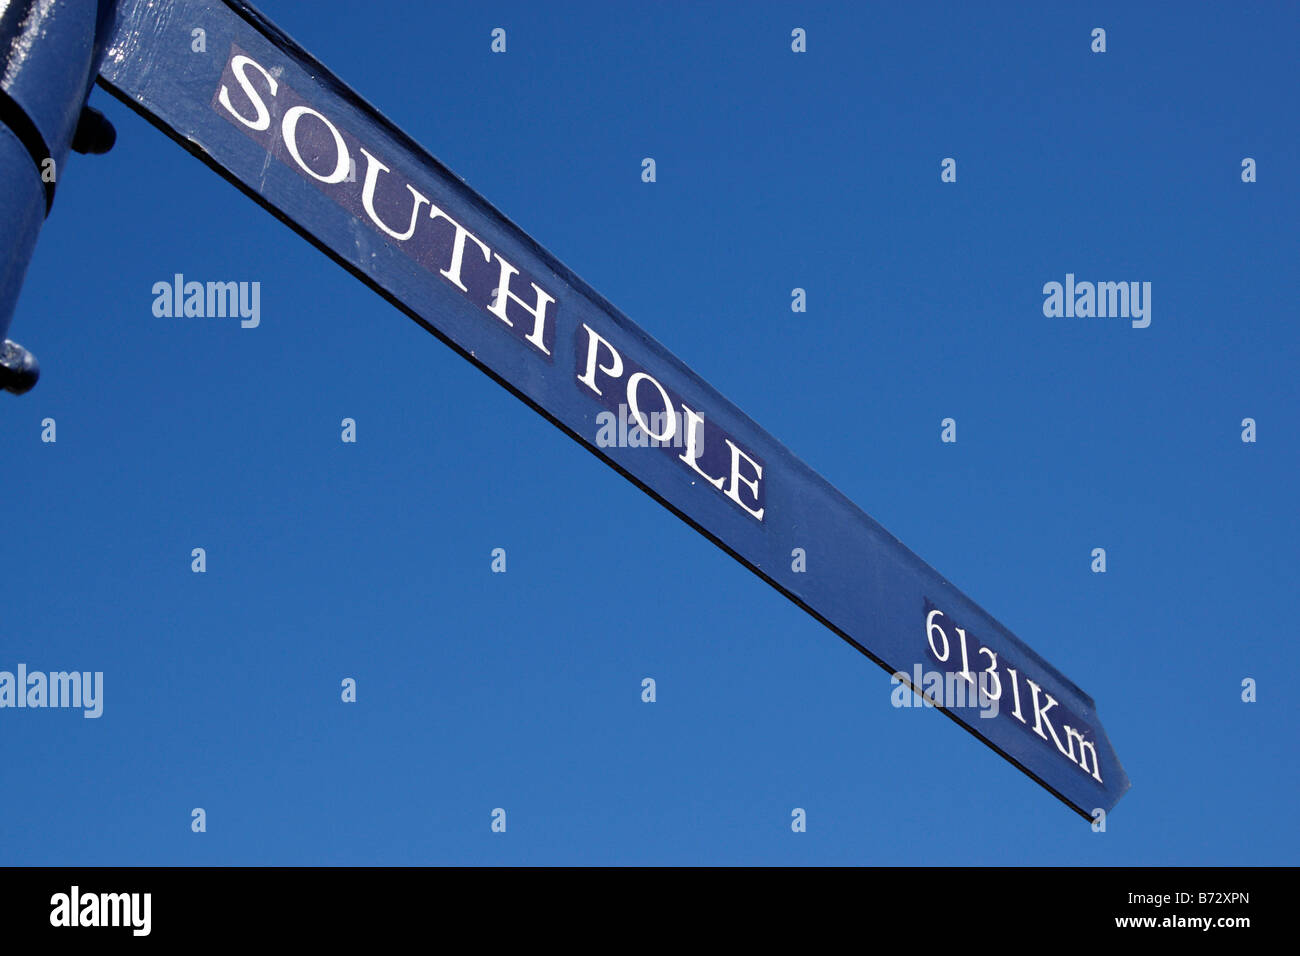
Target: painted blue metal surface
pixel 22 212
pixel 288 133
pixel 49 52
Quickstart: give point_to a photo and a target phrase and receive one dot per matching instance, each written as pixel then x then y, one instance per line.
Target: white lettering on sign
pixel 272 114
pixel 321 151
pixel 603 366
pixel 1040 704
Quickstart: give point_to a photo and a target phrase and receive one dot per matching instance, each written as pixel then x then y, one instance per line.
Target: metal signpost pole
pixel 49 54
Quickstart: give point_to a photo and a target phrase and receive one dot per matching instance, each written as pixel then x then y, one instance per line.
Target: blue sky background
pixel 522 690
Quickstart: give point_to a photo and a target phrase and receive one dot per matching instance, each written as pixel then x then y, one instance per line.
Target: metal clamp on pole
pixel 49 55
pixel 19 369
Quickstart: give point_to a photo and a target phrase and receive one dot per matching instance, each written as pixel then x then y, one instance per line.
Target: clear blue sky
pixel 521 690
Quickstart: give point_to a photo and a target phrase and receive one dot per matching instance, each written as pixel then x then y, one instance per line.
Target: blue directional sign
pixel 276 123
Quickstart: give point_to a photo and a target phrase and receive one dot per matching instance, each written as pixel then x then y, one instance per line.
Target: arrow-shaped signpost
pixel 277 124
